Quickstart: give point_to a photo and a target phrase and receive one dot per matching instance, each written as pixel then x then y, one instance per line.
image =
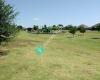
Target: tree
pixel 96 27
pixel 69 27
pixel 83 25
pixel 7 27
pixel 20 27
pixel 60 26
pixel 73 30
pixel 29 29
pixel 46 29
pixel 35 27
pixel 82 29
pixel 54 27
pixel 93 28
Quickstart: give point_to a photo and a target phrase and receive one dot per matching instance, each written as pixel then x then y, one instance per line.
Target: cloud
pixel 36 19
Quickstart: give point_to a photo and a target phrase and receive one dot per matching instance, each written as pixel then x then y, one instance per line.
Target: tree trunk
pixel 83 34
pixel 73 35
pixel 0 42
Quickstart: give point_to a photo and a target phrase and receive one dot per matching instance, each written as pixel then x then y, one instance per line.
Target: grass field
pixel 65 58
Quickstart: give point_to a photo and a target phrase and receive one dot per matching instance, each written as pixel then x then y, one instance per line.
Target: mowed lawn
pixel 65 58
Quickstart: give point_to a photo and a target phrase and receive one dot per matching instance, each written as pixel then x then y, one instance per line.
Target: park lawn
pixel 65 58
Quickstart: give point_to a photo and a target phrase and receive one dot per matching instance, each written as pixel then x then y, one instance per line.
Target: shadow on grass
pixel 3 53
pixel 23 43
pixel 95 38
pixel 70 37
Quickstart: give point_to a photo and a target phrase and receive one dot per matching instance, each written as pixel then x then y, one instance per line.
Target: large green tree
pixel 96 27
pixel 7 15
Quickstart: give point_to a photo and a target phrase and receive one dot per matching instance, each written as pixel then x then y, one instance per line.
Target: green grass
pixel 65 58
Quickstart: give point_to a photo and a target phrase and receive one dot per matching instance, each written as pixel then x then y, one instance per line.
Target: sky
pixel 49 12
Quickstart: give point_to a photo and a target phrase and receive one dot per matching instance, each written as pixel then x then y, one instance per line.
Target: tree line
pixel 49 29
